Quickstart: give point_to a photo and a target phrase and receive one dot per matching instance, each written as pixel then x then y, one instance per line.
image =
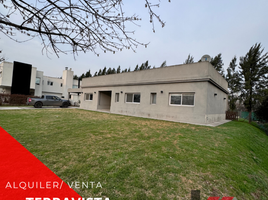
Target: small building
pixel 191 93
pixel 22 78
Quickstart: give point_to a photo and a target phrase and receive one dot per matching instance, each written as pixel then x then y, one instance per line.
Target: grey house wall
pixel 198 78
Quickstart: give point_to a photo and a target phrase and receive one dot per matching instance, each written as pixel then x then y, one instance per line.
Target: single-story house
pixel 191 93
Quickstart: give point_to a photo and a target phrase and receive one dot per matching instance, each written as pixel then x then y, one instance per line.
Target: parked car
pixel 47 100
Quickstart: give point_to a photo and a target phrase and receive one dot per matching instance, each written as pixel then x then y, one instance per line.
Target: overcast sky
pixel 193 27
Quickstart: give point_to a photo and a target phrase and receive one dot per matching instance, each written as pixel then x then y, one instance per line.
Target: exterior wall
pixel 60 85
pixel 67 78
pixel 7 73
pixel 33 78
pixel 216 104
pixel 50 93
pixel 76 95
pixel 177 73
pixel 56 88
pixel 217 77
pixel 198 78
pixel 39 88
pixel 160 110
pixel 75 84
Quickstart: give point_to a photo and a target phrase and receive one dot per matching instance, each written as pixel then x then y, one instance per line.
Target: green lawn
pixel 137 158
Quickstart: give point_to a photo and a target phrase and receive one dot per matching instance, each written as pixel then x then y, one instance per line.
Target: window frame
pixel 37 82
pixel 151 98
pixel 50 97
pixel 117 97
pixel 133 97
pixel 90 97
pixel 181 94
pixel 50 83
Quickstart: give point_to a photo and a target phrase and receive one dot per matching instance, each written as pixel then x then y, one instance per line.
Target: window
pixel 185 99
pixel 49 83
pixel 37 81
pixel 188 99
pixel 153 98
pixel 57 98
pixel 61 84
pixel 75 86
pixel 116 97
pixel 88 97
pixel 49 97
pixel 133 98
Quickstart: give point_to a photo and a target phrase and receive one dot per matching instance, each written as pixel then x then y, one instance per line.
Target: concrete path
pixel 218 123
pixel 30 107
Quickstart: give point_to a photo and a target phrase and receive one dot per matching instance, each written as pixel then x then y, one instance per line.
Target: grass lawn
pixel 137 158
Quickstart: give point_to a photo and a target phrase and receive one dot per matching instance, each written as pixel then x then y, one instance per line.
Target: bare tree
pixel 73 26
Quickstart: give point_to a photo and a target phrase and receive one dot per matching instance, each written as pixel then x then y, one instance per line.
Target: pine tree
pixel 88 74
pixel 218 64
pixel 109 71
pixel 142 67
pixel 189 60
pixel 262 108
pixel 118 71
pixel 136 68
pixel 254 73
pixel 124 70
pixel 146 65
pixel 100 72
pixel 82 76
pixel 113 71
pixel 103 71
pixel 164 64
pixel 234 84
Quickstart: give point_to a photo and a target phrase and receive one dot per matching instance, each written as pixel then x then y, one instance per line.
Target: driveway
pixel 30 107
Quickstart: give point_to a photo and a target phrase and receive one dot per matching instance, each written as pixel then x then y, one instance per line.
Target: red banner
pixel 24 177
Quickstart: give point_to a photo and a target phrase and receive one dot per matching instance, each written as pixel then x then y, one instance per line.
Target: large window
pixel 133 98
pixel 181 99
pixel 88 96
pixel 116 97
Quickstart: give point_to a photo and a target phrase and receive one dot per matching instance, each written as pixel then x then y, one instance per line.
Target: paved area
pixel 30 107
pixel 218 123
